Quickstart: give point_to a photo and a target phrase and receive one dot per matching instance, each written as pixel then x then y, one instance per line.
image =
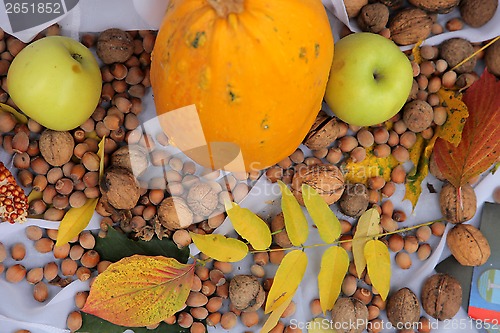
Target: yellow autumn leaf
pixel 414 180
pixel 368 226
pixel 378 265
pixel 415 51
pixel 458 113
pixel 249 226
pixel 74 221
pixel 320 325
pixel 34 195
pixel 295 221
pixel 140 290
pixel 18 115
pixel 334 265
pixel 287 279
pixel 220 247
pixel 323 217
pixel 275 316
pixel 371 166
pixel 416 154
pixel 100 153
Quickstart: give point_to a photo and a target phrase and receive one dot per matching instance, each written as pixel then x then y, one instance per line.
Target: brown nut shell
pixel 441 296
pixel 454 50
pixel 56 147
pixel 350 315
pixel 410 26
pixel 131 157
pixel 326 179
pixel 403 309
pixel 477 13
pixel 468 245
pixel 120 188
pixel 174 213
pixel 373 17
pixel 492 58
pixel 246 293
pixel 323 132
pixel 435 6
pixel 280 237
pixel 457 205
pixel 114 45
pixel 354 200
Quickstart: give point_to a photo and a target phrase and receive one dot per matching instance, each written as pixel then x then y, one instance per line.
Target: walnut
pixel 160 231
pixel 350 315
pixel 403 309
pixel 202 199
pixel 246 293
pixel 280 238
pixel 468 245
pixel 56 147
pixel 326 179
pixel 441 296
pixel 114 45
pixel 354 201
pixel 410 26
pixel 373 17
pixel 392 4
pixel 457 206
pixel 435 6
pixel 353 7
pixel 120 188
pixel 146 233
pixel 134 158
pixel 455 50
pixel 492 58
pixel 418 115
pixel 323 132
pixel 174 213
pixel 477 13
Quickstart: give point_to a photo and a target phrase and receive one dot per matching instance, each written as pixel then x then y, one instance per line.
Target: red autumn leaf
pixel 478 149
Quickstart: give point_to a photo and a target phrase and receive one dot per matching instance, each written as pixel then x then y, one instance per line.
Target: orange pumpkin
pixel 256 70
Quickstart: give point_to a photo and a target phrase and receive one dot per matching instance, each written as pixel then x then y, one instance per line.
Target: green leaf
pixel 140 290
pixel 323 217
pixel 334 265
pixel 116 246
pixel 220 247
pixel 295 221
pixel 368 226
pixel 249 226
pixel 287 279
pixel 93 324
pixel 378 265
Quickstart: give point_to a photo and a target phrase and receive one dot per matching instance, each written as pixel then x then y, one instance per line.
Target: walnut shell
pixel 468 245
pixel 435 6
pixel 409 26
pixel 353 7
pixel 174 213
pixel 403 309
pixel 349 315
pixel 457 206
pixel 354 201
pixel 120 188
pixel 373 17
pixel 441 296
pixel 114 45
pixel 325 178
pixel 418 115
pixel 477 13
pixel 492 58
pixel 134 158
pixel 246 293
pixel 280 238
pixel 392 4
pixel 56 147
pixel 202 199
pixel 455 50
pixel 323 132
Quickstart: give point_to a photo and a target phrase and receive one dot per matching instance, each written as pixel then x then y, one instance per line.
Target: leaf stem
pixel 475 53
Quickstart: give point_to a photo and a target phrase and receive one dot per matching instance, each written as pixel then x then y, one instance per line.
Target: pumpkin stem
pixel 225 7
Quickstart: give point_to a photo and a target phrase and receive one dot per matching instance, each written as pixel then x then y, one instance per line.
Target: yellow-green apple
pixel 56 81
pixel 370 79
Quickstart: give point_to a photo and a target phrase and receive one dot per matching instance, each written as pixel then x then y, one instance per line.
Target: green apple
pixel 370 79
pixel 56 81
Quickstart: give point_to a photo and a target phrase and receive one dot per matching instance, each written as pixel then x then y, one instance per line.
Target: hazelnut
pixel 280 237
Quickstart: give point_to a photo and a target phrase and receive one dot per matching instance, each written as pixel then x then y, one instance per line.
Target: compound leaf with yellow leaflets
pixel 275 316
pixel 334 265
pixel 378 265
pixel 287 279
pixel 140 290
pixel 220 247
pixel 368 226
pixel 249 226
pixel 323 217
pixel 295 221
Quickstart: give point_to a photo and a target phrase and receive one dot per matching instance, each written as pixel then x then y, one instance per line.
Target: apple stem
pixel 77 57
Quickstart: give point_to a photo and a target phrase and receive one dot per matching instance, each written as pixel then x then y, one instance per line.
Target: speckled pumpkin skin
pixel 257 77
